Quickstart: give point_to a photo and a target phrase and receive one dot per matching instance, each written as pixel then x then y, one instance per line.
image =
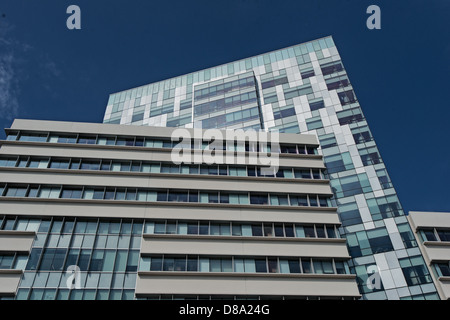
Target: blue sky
pixel 400 73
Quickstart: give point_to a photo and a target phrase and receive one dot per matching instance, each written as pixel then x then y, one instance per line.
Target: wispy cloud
pixel 9 90
pixel 17 59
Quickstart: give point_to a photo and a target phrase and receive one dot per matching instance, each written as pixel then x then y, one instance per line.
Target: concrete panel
pixel 330 285
pixel 419 219
pixel 444 286
pixel 248 247
pixel 9 281
pixel 437 251
pixel 14 241
pixel 126 209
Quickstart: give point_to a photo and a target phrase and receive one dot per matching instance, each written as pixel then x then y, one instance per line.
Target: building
pixel 432 232
pixel 301 89
pixel 101 211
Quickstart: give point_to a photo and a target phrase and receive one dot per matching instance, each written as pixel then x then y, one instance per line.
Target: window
pixel 415 271
pixel 435 234
pixel 317 174
pixel 220 265
pixel 299 200
pixel 168 168
pixel 444 235
pixel 298 91
pixel 289 230
pixel 347 97
pixel 279 200
pixel 137 117
pixel 341 267
pixel 316 105
pixel 306 265
pixel 69 193
pixel 294 266
pixel 284 113
pixel 379 240
pixel 349 214
pixel 272 264
pixel 16 192
pixel 323 266
pixel 193 196
pixel 11 136
pixel 337 82
pixel 59 164
pixel 178 196
pixel 38 163
pixel 331 67
pixel 156 264
pixel 302 173
pixel 362 137
pixel 161 196
pixel 275 82
pixel 261 199
pixel 8 162
pixel 339 162
pixel 314 123
pixel 120 194
pixel 90 165
pixel 125 142
pixel 288 149
pixel 349 116
pixel 257 230
pixel 261 265
pixel 309 231
pixel 33 191
pixel 87 139
pixel 33 137
pixel 106 141
pixel 313 201
pixel 224 197
pixel 67 139
pixel 407 235
pixel 351 185
pixel 320 231
pixel 327 141
pixel 307 73
pixel 331 232
pixel 443 269
pixel 75 164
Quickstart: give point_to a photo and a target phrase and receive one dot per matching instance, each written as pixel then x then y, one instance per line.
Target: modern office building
pixel 102 211
pixel 432 232
pixel 301 89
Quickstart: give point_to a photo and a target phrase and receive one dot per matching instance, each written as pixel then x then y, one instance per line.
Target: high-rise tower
pixel 301 89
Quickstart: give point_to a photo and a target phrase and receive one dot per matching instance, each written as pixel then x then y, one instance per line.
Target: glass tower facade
pixel 301 89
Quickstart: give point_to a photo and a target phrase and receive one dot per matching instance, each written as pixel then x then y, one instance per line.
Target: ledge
pixel 167 175
pixel 244 274
pixel 11 271
pixel 444 278
pixel 171 204
pixel 17 233
pixel 437 243
pixel 245 238
pixel 133 148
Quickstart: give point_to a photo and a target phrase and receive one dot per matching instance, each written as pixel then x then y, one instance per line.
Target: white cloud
pixel 9 104
pixel 16 58
pixel 9 91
